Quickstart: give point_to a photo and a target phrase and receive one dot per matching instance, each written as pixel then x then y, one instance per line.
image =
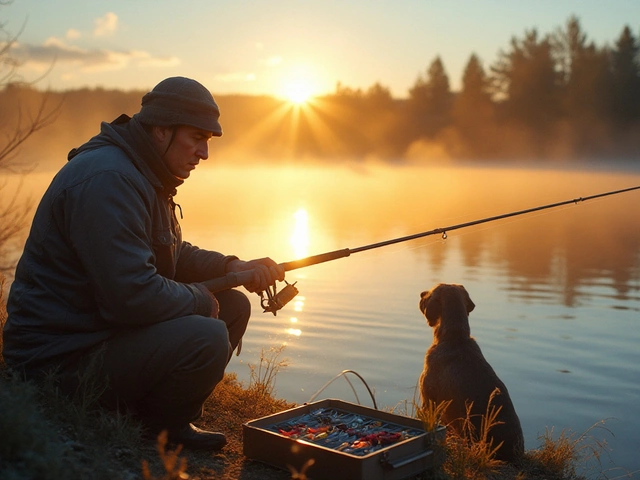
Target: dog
pixel 455 370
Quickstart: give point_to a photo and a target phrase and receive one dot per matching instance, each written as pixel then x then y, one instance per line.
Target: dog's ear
pixel 467 301
pixel 431 306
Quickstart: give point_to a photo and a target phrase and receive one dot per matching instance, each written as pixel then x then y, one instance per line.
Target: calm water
pixel 557 293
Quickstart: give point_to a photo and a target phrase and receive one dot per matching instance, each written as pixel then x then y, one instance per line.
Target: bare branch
pixel 6 60
pixel 14 209
pixel 42 118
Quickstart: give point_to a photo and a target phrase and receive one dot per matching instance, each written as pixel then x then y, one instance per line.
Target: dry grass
pixel 263 376
pixel 431 414
pixel 175 467
pixel 48 436
pixel 470 455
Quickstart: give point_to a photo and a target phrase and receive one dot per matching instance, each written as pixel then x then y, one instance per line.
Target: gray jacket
pixel 104 253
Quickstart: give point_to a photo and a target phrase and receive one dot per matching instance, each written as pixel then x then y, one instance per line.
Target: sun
pixel 298 84
pixel 298 91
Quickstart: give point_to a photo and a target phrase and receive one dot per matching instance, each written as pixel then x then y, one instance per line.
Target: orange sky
pixel 279 47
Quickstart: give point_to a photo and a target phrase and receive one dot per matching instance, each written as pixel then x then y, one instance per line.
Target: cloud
pixel 105 25
pixel 144 59
pixel 55 51
pixel 72 34
pixel 235 77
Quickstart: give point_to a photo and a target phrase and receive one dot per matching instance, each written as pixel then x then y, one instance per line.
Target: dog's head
pixel 448 303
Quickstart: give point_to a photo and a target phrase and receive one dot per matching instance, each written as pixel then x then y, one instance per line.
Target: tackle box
pixel 269 440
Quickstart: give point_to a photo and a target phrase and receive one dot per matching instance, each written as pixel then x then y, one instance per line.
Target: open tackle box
pixel 345 440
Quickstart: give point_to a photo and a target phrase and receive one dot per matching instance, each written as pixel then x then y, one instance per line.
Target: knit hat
pixel 180 101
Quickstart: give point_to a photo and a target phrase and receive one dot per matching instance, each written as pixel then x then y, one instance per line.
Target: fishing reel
pixel 275 300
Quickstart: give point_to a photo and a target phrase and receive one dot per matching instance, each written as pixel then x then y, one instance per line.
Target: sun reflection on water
pixel 298 304
pixel 300 236
pixel 293 331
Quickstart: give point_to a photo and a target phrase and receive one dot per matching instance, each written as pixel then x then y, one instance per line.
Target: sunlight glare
pixel 299 85
pixel 296 332
pixel 300 236
pixel 298 93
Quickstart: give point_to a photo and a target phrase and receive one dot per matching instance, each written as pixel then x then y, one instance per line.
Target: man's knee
pixel 235 310
pixel 188 344
pixel 233 305
pixel 208 338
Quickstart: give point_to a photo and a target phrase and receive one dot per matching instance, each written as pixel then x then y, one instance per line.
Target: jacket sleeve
pixel 197 265
pixel 108 222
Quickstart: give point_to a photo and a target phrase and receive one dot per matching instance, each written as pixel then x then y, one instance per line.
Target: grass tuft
pixel 302 474
pixel 28 444
pixel 470 455
pixel 262 378
pixel 175 467
pixel 560 457
pixel 431 414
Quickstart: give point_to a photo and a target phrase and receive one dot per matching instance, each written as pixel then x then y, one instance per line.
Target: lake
pixel 557 292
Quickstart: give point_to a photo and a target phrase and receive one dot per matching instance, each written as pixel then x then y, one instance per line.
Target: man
pixel 106 275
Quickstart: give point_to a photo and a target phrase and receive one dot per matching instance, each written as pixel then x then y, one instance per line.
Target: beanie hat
pixel 180 101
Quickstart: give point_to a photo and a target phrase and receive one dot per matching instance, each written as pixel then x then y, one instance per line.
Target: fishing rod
pixel 274 300
pixel 345 252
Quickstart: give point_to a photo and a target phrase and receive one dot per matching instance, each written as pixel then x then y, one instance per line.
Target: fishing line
pixel 488 227
pixel 343 374
pixel 276 300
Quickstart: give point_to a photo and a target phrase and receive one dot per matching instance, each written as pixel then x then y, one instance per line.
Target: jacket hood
pixel 128 134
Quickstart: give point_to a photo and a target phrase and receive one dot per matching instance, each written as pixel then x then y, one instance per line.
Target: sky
pixel 282 48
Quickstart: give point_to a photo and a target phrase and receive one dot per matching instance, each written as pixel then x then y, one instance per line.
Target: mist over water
pixel 557 292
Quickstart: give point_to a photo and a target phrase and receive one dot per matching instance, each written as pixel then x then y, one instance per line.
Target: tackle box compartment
pixel 411 456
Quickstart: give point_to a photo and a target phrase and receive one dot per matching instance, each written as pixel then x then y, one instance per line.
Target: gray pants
pixel 165 372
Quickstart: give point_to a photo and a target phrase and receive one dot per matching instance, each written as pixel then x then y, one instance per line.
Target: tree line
pixel 557 96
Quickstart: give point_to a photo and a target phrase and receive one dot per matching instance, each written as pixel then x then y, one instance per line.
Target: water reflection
pixel 292 330
pixel 297 306
pixel 571 253
pixel 300 236
pixel 558 255
pixel 298 303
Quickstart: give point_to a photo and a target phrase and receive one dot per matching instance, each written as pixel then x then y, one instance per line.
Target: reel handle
pixel 276 300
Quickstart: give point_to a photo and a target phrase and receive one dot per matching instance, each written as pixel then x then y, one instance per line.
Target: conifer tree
pixel 473 110
pixel 625 68
pixel 431 100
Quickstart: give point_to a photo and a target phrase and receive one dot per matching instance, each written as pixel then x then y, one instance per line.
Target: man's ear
pixel 161 138
pixel 160 134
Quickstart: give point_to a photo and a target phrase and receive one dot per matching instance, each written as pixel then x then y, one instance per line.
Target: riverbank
pixel 47 437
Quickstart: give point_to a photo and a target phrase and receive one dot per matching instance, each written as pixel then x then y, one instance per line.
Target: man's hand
pixel 265 272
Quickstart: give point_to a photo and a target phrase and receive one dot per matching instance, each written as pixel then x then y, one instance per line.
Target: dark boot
pixel 195 438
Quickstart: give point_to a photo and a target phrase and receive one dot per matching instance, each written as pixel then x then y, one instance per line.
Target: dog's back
pixel 455 370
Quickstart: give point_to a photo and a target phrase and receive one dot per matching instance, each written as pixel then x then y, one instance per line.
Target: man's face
pixel 189 146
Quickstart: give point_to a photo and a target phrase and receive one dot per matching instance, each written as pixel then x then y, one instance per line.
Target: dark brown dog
pixel 456 370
